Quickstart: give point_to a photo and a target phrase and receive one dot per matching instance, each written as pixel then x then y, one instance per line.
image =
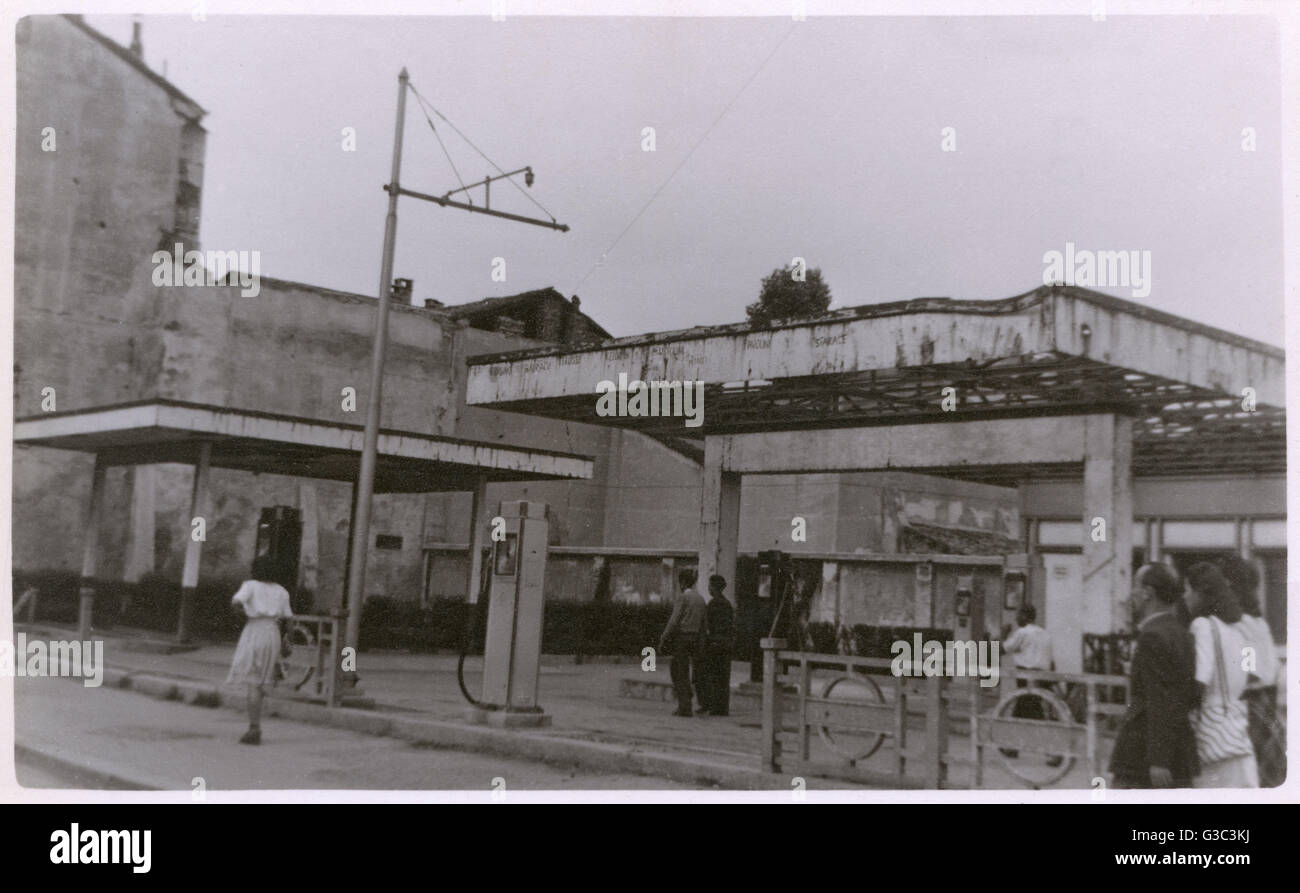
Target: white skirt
pixel 257 652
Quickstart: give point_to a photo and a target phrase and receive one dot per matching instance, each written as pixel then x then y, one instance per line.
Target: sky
pixel 773 139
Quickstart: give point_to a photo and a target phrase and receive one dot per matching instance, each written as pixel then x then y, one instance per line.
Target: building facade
pixel 94 329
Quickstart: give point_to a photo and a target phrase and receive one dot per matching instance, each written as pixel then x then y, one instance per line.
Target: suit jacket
pixel 1157 730
pixel 719 637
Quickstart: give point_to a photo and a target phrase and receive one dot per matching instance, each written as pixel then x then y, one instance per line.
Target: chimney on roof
pixel 576 302
pixel 430 303
pixel 136 46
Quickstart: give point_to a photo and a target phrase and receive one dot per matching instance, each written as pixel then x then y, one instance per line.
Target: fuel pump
pixel 512 648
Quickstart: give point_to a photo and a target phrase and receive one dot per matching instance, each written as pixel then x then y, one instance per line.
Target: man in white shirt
pixel 1030 647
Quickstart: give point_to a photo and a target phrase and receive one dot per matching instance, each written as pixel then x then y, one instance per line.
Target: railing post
pixel 1091 720
pixel 771 705
pixel 900 725
pixel 805 678
pixel 339 618
pixel 936 739
pixel 976 751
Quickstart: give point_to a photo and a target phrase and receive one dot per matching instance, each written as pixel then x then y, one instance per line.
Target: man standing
pixel 713 679
pixel 1030 644
pixel 1155 747
pixel 681 641
pixel 1031 649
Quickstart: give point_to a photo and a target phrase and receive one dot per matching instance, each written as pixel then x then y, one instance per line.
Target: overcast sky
pixel 1124 134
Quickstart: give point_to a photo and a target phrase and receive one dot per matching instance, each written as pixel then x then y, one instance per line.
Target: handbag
pixel 1268 735
pixel 1220 730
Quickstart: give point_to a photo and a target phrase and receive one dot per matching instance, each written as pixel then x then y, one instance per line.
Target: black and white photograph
pixel 776 403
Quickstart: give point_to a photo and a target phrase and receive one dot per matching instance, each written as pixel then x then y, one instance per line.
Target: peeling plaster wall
pixel 87 217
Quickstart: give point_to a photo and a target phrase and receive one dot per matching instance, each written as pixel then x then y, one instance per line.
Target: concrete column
pixel 309 549
pixel 1108 495
pixel 90 547
pixel 477 538
pixel 140 543
pixel 193 547
pixel 345 599
pixel 719 517
pixel 350 626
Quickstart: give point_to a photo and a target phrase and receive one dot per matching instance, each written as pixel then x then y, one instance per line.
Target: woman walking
pixel 1220 723
pixel 265 603
pixel 1267 733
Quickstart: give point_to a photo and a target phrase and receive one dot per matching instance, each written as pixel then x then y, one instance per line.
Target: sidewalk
pixel 417 699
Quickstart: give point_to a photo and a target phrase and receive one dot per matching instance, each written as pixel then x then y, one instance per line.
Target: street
pixel 168 745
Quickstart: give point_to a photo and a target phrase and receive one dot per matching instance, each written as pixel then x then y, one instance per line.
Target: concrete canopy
pixel 1058 350
pixel 161 431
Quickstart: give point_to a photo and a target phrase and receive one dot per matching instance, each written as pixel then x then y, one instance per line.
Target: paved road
pixel 167 745
pixel 33 776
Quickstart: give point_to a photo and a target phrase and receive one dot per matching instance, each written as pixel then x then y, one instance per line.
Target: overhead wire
pixel 426 104
pixel 687 158
pixel 447 154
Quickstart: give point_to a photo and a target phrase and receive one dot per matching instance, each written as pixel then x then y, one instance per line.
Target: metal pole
pixel 369 448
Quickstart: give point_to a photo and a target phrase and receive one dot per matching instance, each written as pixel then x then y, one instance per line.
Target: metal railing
pixel 847 717
pixel 313 668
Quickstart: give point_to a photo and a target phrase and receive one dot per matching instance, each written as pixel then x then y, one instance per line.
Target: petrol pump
pixel 513 645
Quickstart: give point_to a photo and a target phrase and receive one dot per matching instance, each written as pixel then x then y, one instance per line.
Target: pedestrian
pixel 1221 723
pixel 1155 747
pixel 266 605
pixel 1266 732
pixel 713 679
pixel 1030 647
pixel 844 640
pixel 681 641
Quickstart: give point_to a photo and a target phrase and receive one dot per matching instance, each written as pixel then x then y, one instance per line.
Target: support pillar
pixel 309 548
pixel 90 548
pixel 477 539
pixel 194 547
pixel 719 517
pixel 140 544
pixel 1108 495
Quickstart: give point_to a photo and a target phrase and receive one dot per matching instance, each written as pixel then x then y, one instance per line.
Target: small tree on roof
pixel 790 292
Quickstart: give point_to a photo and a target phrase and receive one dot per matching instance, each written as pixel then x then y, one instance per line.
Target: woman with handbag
pixel 1267 731
pixel 265 603
pixel 1220 723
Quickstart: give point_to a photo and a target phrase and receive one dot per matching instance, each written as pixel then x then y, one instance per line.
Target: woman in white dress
pixel 1222 739
pixel 1262 671
pixel 265 604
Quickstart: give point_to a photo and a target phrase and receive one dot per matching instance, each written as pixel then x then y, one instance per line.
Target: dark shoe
pixel 252 736
pixel 1055 761
pixel 682 713
pixel 1008 753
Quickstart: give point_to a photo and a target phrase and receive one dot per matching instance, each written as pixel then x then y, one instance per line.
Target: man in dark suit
pixel 1155 747
pixel 713 682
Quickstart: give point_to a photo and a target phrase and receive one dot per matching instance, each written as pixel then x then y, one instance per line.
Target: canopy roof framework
pixel 163 431
pixel 1055 351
